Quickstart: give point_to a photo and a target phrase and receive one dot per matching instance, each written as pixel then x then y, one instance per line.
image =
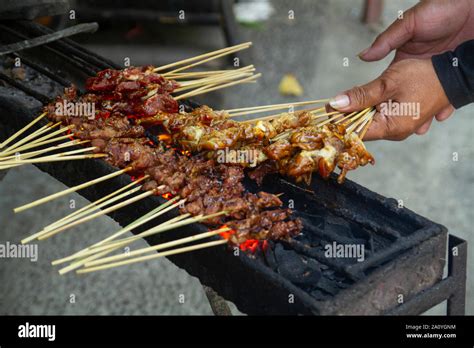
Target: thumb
pixel 397 34
pixel 361 97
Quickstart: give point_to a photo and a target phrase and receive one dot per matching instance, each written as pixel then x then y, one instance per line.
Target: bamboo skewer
pixel 366 128
pixel 18 159
pixel 35 144
pixel 68 222
pixel 355 123
pixel 208 89
pixel 154 256
pixel 239 73
pixel 100 249
pixel 271 117
pixel 248 68
pixel 356 117
pixel 130 226
pixel 156 230
pixel 258 109
pixel 272 109
pixel 94 205
pixel 84 260
pixel 214 81
pixel 97 214
pixel 202 56
pixel 195 75
pixel 89 208
pixel 25 155
pixel 148 217
pixel 68 155
pixel 21 131
pixel 81 262
pixel 338 119
pixel 16 146
pixel 213 57
pixel 33 135
pixel 89 256
pixel 157 247
pixel 69 190
pixel 56 159
pixel 366 119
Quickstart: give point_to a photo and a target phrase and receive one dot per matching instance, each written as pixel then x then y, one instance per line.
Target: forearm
pixel 455 71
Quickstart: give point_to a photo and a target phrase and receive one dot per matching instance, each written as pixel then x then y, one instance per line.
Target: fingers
pixel 395 127
pixel 424 127
pixel 397 34
pixel 360 97
pixel 377 129
pixel 445 114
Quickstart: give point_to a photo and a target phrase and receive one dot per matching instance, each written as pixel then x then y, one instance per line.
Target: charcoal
pixel 269 256
pixel 328 286
pixel 296 268
pixel 320 295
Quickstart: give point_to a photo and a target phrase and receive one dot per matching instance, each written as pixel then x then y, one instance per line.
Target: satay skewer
pixel 90 207
pixel 41 143
pixel 155 230
pixel 355 124
pixel 53 159
pixel 153 256
pixel 227 77
pixel 132 225
pixel 248 68
pixel 91 257
pixel 22 130
pixel 203 90
pixel 271 107
pixel 25 155
pixel 366 127
pixel 102 250
pixel 71 189
pixel 231 50
pixel 29 142
pixel 29 137
pixel 195 75
pixel 18 159
pixel 275 116
pixel 157 247
pixel 215 54
pixel 99 213
pixel 90 253
pixel 67 222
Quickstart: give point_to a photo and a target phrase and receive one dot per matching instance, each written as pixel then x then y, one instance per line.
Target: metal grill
pixel 295 277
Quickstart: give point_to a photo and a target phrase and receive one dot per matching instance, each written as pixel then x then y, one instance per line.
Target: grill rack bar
pixel 42 70
pixel 37 95
pixel 78 62
pixel 67 45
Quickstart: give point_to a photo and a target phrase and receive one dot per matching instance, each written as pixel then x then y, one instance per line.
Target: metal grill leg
pixel 218 304
pixel 457 269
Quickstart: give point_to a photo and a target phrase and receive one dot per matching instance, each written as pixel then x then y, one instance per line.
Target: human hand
pixel 431 27
pixel 407 95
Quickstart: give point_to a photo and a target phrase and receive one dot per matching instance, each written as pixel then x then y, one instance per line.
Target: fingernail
pixel 361 54
pixel 339 101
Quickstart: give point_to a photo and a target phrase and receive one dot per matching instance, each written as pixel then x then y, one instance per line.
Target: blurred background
pixel 309 39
